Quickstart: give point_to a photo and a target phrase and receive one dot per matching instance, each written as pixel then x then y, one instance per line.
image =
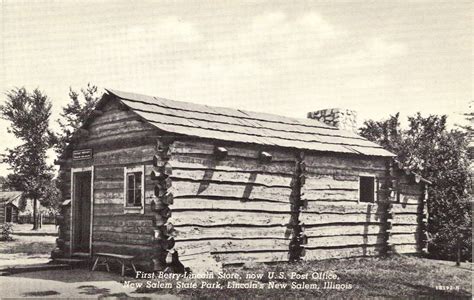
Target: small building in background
pixel 9 203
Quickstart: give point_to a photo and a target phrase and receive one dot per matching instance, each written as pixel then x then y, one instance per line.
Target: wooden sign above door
pixel 82 154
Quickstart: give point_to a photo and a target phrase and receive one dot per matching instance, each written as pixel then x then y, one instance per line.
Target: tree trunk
pixel 458 250
pixel 35 214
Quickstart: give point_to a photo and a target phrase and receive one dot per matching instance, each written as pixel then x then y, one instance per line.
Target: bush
pixel 440 155
pixel 6 231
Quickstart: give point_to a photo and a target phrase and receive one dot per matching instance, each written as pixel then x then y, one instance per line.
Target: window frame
pixel 126 172
pixel 376 187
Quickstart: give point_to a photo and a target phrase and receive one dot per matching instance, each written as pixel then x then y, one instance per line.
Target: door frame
pixel 73 190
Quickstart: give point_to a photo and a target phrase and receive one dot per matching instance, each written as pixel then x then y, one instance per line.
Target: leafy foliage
pixel 3 182
pixel 440 155
pixel 29 115
pixel 6 231
pixel 74 114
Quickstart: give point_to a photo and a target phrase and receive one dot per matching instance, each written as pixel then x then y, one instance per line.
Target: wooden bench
pixel 102 259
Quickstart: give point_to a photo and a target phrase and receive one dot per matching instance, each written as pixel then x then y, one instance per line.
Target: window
pixel 134 190
pixel 366 189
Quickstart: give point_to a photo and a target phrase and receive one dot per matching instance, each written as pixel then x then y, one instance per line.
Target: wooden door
pixel 82 211
pixel 8 213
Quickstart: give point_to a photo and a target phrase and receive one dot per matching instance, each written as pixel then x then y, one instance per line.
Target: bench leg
pixel 123 267
pixel 95 263
pixel 134 269
pixel 107 264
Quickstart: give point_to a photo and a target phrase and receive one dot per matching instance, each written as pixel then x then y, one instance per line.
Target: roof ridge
pixel 317 124
pixel 229 124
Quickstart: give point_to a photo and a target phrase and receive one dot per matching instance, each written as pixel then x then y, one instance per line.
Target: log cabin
pixel 169 181
pixel 9 202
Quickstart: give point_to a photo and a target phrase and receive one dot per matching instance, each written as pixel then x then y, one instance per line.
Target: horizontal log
pixel 232 245
pixel 345 240
pixel 342 172
pixel 314 219
pixel 108 209
pixel 193 147
pixel 116 141
pixel 218 218
pixel 320 254
pixel 340 230
pixel 315 206
pixel 139 251
pixel 326 160
pixel 334 195
pixel 230 164
pixel 124 220
pixel 117 183
pixel 121 156
pixel 119 237
pixel 192 232
pixel 408 248
pixel 406 219
pixel 127 230
pixel 108 197
pixel 255 257
pixel 410 199
pixel 115 196
pixel 403 208
pixel 124 126
pixel 229 204
pixel 234 176
pixel 329 183
pixel 112 116
pixel 404 228
pixel 305 202
pixel 248 191
pixel 403 238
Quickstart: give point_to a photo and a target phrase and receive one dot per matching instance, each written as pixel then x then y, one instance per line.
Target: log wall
pixel 118 139
pixel 237 206
pixel 334 222
pixel 407 215
pixel 3 208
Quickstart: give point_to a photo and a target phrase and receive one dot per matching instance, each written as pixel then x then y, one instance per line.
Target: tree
pixel 440 155
pixel 74 114
pixel 3 183
pixel 29 115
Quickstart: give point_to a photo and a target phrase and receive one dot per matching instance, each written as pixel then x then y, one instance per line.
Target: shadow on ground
pixel 71 276
pixel 40 294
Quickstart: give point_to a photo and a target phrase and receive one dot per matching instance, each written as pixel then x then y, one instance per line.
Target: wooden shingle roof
pixel 12 197
pixel 237 125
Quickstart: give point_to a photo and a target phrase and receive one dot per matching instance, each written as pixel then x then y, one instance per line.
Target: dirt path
pixel 76 283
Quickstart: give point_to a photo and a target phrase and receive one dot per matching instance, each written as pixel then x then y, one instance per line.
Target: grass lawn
pixel 26 229
pixel 398 276
pixel 28 245
pixel 26 250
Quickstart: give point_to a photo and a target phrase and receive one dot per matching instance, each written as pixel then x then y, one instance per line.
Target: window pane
pixel 134 189
pixel 138 197
pixel 138 180
pixel 130 195
pixel 366 189
pixel 130 188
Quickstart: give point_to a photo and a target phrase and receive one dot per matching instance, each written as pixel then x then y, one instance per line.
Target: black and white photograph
pixel 236 149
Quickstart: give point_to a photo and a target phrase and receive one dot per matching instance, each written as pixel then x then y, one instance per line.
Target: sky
pixel 287 58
